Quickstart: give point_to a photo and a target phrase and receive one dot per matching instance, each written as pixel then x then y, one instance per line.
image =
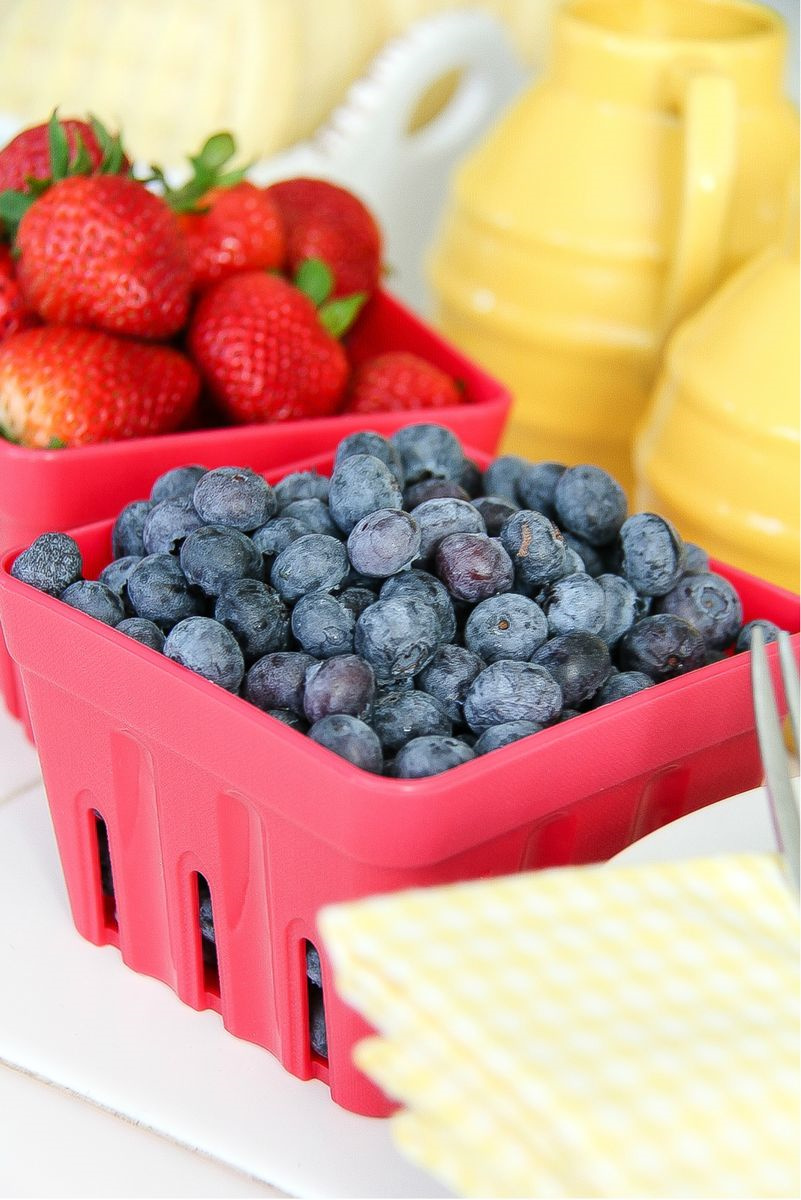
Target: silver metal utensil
pixel 772 748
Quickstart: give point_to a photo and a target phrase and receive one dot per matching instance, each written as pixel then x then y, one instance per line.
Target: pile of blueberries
pixel 410 612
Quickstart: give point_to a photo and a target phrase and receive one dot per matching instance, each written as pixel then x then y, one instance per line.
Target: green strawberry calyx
pixel 210 169
pixel 15 203
pixel 316 280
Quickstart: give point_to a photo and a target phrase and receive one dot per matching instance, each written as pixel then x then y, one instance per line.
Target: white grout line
pixel 71 1093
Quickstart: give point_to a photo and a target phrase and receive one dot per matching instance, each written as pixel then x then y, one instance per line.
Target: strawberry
pixel 102 250
pixel 61 386
pixel 265 351
pixel 36 157
pixel 399 382
pixel 326 222
pixel 14 312
pixel 241 230
pixel 229 225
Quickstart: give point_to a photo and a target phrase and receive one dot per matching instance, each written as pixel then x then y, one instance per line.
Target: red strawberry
pixel 241 229
pixel 399 382
pixel 229 225
pixel 264 352
pixel 14 312
pixel 69 387
pixel 38 153
pixel 329 223
pixel 102 250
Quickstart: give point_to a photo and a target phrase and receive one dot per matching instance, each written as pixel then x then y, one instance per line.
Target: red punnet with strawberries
pixel 146 325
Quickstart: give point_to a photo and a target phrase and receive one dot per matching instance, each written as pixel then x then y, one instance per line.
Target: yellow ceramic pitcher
pixel 718 449
pixel 652 159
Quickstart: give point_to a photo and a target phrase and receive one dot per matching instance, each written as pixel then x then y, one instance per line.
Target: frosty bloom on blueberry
pixel 410 613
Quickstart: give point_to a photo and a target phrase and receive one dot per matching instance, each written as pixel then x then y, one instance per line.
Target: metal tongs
pixel 775 757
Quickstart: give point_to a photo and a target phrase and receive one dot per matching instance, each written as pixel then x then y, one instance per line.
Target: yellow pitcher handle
pixel 710 161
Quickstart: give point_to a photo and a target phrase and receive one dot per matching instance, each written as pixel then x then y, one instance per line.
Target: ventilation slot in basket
pixel 318 1038
pixel 208 941
pixel 106 877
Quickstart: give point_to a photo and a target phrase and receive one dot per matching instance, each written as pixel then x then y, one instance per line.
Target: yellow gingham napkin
pixel 615 1031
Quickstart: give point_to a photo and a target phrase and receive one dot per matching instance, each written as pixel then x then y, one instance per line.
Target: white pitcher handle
pixel 376 115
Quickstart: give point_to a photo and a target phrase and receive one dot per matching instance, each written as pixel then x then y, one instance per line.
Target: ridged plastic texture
pixel 189 780
pixel 47 490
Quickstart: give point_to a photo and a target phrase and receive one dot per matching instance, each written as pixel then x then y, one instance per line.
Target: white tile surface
pixel 94 1153
pixel 72 1014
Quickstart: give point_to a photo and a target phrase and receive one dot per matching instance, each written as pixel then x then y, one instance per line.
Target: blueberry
pixel 575 602
pixel 323 625
pixel 470 478
pixel 126 534
pixel 574 565
pixel 590 503
pixel 495 512
pixel 430 755
pixel 286 717
pixel 384 542
pixel 400 716
pixel 301 485
pixel 425 587
pixel 710 603
pixel 316 562
pixel 433 489
pixel 159 591
pixel 770 633
pixel 318 1037
pixel 256 616
pixel 591 558
pixel 428 451
pixel 313 513
pixel 535 546
pixel 167 525
pixel 357 599
pixel 276 534
pixel 278 681
pixel 508 690
pixel 694 560
pixel 350 738
pixel 51 563
pixel 661 646
pixel 360 485
pixel 498 736
pixel 345 684
pixel 622 607
pixel 216 555
pixel 501 476
pixel 439 518
pixel 177 484
pixel 448 677
pixel 397 636
pixel 651 554
pixel 234 496
pixel 207 648
pixel 94 598
pixel 367 442
pixel 115 575
pixel 579 662
pixel 536 487
pixel 508 626
pixel 146 632
pixel 314 972
pixel 620 685
pixel 473 567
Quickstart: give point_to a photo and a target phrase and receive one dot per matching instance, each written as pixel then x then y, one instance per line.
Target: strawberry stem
pixel 315 279
pixel 207 173
pixel 338 315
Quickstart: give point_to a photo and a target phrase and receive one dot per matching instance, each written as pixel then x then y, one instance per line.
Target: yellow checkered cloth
pixel 613 1031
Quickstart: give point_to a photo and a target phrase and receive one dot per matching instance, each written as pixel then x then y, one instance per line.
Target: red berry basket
pixel 52 490
pixel 184 782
